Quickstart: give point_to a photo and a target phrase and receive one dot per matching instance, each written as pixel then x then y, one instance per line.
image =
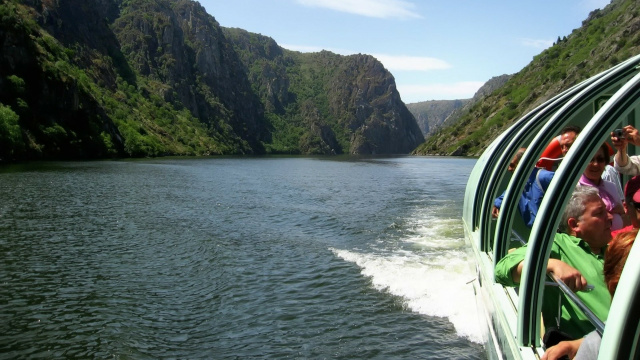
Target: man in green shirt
pixel 577 258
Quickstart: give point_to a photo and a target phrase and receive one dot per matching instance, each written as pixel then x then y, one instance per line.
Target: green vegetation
pixel 129 118
pixel 297 102
pixel 10 136
pixel 140 78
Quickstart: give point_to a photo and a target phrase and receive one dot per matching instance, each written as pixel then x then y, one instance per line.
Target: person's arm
pixel 563 348
pixel 631 167
pixel 632 135
pixel 568 274
pixel 503 271
pixel 621 158
pixel 622 161
pixel 545 178
pixel 516 272
pixel 495 211
pixel 498 201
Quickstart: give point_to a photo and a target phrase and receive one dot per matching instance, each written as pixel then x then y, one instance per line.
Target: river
pixel 236 258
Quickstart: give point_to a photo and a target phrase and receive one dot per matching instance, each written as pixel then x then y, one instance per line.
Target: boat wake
pixel 430 267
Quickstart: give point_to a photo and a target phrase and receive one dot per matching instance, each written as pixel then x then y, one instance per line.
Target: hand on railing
pixel 567 273
pixel 599 325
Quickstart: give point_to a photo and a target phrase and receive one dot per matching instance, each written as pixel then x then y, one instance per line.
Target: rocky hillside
pixel 431 115
pixel 339 104
pixel 606 37
pixel 105 78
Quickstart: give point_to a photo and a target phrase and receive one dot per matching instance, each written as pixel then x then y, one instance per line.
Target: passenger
pixel 612 175
pixel 625 164
pixel 577 257
pixel 531 196
pixel 568 137
pixel 592 176
pixel 495 211
pixel 631 205
pixel 550 158
pixel 587 348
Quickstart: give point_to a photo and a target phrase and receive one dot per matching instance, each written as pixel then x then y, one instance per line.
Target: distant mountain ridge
pixel 133 78
pixel 433 114
pixel 102 78
pixel 607 37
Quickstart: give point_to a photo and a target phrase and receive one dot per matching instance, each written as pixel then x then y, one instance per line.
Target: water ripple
pixel 214 258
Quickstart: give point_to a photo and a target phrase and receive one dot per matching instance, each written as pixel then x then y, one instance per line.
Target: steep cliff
pixel 340 104
pixel 431 114
pixel 98 78
pixel 45 100
pixel 179 47
pixel 363 96
pixel 434 114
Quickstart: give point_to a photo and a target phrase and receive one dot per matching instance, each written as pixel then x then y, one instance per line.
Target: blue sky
pixel 435 49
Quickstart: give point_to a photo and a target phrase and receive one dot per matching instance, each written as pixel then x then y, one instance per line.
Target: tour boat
pixel 600 104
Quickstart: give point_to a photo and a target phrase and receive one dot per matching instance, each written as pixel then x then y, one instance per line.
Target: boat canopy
pixel 598 105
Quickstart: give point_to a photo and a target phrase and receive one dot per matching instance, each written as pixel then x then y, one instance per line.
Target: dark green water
pixel 236 258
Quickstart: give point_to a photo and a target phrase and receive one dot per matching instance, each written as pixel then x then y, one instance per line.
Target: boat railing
pixel 518 237
pixel 597 323
pixel 515 235
pixel 557 282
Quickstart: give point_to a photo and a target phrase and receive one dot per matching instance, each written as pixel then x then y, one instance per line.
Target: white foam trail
pixel 432 276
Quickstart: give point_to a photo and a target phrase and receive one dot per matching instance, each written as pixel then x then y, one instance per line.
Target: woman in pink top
pixel 607 189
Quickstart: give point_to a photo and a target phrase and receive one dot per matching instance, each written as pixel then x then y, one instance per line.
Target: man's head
pixel 516 159
pixel 568 137
pixel 632 200
pixel 586 217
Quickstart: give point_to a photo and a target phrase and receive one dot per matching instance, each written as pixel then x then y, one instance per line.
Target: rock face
pixel 57 115
pixel 96 78
pixel 179 45
pixel 370 105
pixel 352 98
pixel 431 114
pixel 434 114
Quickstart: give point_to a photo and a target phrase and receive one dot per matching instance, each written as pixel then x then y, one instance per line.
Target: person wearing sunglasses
pixel 592 176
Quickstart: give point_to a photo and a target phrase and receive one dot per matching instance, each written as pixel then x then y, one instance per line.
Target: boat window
pixel 619 108
pixel 598 105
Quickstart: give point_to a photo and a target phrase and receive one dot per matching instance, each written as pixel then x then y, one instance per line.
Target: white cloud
pixel 411 63
pixel 537 43
pixel 371 8
pixel 453 91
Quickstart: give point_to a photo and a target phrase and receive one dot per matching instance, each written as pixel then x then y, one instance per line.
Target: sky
pixel 435 49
